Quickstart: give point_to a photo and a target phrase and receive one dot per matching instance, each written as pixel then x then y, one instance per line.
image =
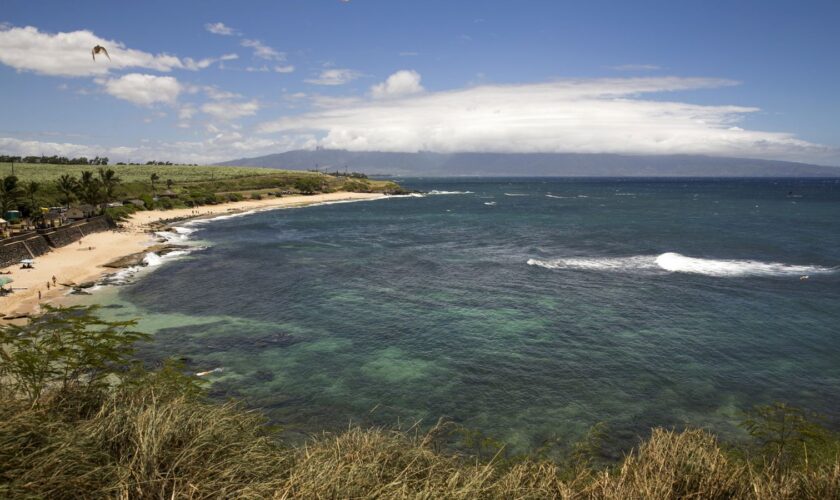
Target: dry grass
pixel 149 440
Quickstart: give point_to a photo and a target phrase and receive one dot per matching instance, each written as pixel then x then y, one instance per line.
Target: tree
pixel 308 185
pixel 67 185
pixel 30 189
pixel 64 347
pixel 89 188
pixel 9 193
pixel 154 178
pixel 169 183
pixel 109 181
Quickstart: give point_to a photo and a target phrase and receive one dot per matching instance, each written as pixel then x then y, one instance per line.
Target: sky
pixel 205 81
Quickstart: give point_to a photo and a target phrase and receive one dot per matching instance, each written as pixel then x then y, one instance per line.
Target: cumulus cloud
pixel 582 116
pixel 144 90
pixel 68 54
pixel 402 83
pixel 335 77
pixel 37 148
pixel 263 51
pixel 224 110
pixel 219 29
pixel 284 69
pixel 219 146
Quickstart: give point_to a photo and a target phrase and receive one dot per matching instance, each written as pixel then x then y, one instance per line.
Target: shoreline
pixel 84 261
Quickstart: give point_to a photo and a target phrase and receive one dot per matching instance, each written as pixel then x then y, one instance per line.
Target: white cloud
pixel 37 148
pixel 144 90
pixel 194 65
pixel 222 145
pixel 636 67
pixel 284 69
pixel 230 110
pixel 582 116
pixel 68 54
pixel 219 29
pixel 263 51
pixel 402 83
pixel 218 94
pixel 335 77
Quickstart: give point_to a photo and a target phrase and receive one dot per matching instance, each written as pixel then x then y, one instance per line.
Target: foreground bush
pixel 154 435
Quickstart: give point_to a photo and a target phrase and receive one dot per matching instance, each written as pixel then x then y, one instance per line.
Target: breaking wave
pixel 435 191
pixel 677 263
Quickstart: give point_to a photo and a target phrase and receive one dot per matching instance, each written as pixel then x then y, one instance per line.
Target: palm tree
pixel 89 188
pixel 30 189
pixel 154 177
pixel 8 193
pixel 109 181
pixel 67 185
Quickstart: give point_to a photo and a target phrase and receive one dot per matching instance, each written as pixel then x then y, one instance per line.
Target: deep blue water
pixel 527 309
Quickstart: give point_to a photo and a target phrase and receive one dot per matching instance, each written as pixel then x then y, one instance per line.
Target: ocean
pixel 527 309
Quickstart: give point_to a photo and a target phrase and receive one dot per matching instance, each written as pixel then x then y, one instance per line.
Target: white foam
pixel 598 263
pixel 196 222
pixel 677 263
pixel 435 191
pixel 490 203
pixel 516 194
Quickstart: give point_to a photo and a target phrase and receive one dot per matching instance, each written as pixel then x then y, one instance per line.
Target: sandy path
pixel 81 262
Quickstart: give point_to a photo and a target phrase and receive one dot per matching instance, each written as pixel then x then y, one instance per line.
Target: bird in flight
pixel 97 50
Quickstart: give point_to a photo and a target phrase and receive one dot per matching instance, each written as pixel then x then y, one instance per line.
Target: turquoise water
pixel 528 309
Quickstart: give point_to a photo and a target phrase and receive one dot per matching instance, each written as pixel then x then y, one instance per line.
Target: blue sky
pixel 208 81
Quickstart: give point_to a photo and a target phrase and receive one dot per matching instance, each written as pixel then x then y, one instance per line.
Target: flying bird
pixel 97 50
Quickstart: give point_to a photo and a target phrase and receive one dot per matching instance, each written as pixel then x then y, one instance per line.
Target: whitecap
pixel 676 263
pixel 517 194
pixel 435 192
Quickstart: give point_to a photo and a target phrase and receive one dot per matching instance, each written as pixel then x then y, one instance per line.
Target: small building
pixel 136 202
pixel 52 219
pixel 81 212
pixel 12 216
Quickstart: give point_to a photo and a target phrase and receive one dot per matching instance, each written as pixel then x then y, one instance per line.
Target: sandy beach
pixel 83 261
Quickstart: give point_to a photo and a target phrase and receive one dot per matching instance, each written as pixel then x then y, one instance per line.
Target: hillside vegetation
pixel 79 419
pixel 165 186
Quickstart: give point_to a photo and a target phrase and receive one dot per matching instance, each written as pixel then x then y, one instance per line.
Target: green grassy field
pixel 191 185
pixel 44 172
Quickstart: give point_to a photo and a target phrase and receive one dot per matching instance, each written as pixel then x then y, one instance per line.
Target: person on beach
pixel 39 294
pixel 53 278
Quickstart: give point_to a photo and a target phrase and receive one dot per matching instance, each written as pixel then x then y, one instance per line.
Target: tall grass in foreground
pixel 154 435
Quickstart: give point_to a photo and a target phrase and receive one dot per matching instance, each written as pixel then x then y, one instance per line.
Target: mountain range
pixel 532 164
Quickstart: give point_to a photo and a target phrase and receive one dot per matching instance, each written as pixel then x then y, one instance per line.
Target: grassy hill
pixel 191 185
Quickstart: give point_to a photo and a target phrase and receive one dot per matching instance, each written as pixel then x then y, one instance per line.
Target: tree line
pixel 82 160
pixel 58 160
pixel 92 188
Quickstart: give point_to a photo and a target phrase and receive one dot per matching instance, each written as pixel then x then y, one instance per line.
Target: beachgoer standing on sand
pixel 39 294
pixel 53 280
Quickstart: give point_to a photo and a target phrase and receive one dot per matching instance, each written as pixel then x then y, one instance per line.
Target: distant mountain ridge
pixel 533 164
